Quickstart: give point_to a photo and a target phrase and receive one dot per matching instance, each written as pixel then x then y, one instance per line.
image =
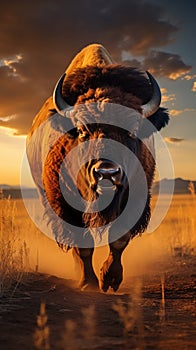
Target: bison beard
pixel 98 222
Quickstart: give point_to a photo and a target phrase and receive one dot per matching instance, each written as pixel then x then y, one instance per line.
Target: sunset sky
pixel 39 38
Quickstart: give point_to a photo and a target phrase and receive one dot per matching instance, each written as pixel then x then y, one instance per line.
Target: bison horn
pixel 58 100
pixel 152 106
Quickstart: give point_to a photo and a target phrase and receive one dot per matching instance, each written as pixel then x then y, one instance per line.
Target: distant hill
pixel 181 186
pixel 7 191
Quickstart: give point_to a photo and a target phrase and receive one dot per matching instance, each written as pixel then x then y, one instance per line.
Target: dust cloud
pixel 140 257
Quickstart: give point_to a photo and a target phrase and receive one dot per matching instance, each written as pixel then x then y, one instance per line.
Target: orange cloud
pixel 175 140
pixel 189 77
pixel 177 112
pixel 166 96
pixel 179 74
pixel 7 118
pixel 194 87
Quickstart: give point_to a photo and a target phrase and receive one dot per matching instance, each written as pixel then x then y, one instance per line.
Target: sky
pixel 39 38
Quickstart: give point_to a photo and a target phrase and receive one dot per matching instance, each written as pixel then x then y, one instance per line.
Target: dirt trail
pixel 152 311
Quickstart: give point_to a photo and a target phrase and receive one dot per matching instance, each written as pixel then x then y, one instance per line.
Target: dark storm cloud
pixel 166 64
pixel 47 34
pixel 162 64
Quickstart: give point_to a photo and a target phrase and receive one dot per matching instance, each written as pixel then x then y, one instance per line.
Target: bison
pixel 91 155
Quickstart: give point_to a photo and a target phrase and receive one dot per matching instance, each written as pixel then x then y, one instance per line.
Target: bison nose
pixel 108 171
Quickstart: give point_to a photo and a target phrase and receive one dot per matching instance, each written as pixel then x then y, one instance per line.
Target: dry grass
pixel 130 315
pixel 162 311
pixel 175 237
pixel 23 247
pixel 14 251
pixel 84 337
pixel 42 331
pixel 177 231
pixel 69 338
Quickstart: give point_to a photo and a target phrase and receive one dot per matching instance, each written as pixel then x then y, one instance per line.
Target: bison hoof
pixel 89 285
pixel 111 275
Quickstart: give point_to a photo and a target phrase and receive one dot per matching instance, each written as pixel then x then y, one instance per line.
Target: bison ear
pixel 158 120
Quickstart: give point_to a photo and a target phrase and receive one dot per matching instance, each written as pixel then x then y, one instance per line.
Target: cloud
pixel 194 87
pixel 177 112
pixel 162 64
pixel 10 63
pixel 189 77
pixel 174 140
pixel 7 118
pixel 166 96
pixel 7 133
pixel 38 39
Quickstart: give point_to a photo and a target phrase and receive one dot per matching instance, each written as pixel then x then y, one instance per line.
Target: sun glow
pixel 11 154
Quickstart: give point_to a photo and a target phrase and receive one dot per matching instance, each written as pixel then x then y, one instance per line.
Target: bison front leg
pixel 88 277
pixel 111 274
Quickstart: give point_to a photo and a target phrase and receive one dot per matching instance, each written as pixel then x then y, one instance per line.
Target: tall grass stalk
pixel 191 188
pixel 42 331
pixel 69 337
pixel 80 338
pixel 162 304
pixel 130 315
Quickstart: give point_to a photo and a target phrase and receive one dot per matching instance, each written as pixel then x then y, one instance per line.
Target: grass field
pixel 154 307
pixel 24 248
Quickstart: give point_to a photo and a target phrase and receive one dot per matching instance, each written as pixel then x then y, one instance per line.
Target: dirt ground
pixel 152 311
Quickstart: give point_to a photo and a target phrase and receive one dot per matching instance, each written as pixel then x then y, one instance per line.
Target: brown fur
pixel 66 143
pixel 111 84
pixel 91 85
pixel 86 80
